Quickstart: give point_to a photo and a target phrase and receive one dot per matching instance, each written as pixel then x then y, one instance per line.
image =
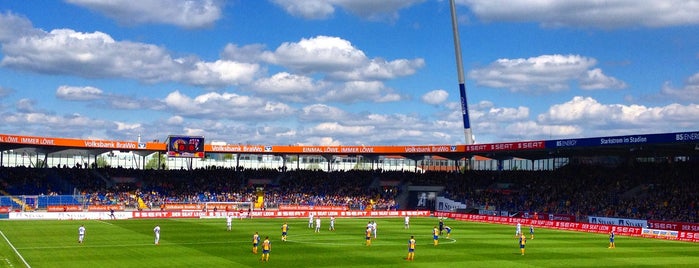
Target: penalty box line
pixel 15 250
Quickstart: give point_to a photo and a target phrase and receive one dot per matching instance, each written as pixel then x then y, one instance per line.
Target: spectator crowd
pixel 659 191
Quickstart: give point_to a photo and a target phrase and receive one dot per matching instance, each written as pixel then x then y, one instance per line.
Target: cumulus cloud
pixel 297 88
pixel 335 128
pixel 186 14
pixel 380 69
pixel 688 92
pixel 318 54
pixel 337 58
pixel 583 13
pixel 98 55
pixel 226 105
pixel 544 73
pixel 322 112
pixel 13 26
pixel 368 9
pixel 221 73
pixel 79 93
pixel 248 53
pixel 309 9
pixel 589 112
pixel 435 97
pixel 356 91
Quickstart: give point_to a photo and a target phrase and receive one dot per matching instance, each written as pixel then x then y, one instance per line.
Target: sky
pixel 347 72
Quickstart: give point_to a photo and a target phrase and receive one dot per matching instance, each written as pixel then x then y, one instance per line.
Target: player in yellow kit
pixel 411 248
pixel 435 236
pixel 368 236
pixel 266 248
pixel 255 242
pixel 522 242
pixel 285 229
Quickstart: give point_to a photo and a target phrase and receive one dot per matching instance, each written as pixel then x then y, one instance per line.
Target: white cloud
pixel 356 91
pixel 689 92
pixel 335 128
pixel 435 97
pixel 226 105
pixel 368 9
pixel 337 58
pixel 98 55
pixel 380 69
pixel 309 9
pixel 318 54
pixel 546 72
pixel 175 120
pixel 586 111
pixel 249 53
pixel 79 93
pixel 187 14
pixel 13 26
pixel 26 105
pixel 595 79
pixel 322 112
pixel 283 85
pixel 221 73
pixel 585 13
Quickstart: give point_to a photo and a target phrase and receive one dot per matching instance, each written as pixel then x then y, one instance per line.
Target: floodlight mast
pixel 460 71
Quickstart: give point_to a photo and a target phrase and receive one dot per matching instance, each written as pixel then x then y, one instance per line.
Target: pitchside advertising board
pixel 577 226
pixel 185 146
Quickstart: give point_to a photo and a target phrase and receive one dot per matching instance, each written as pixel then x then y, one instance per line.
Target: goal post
pixel 241 207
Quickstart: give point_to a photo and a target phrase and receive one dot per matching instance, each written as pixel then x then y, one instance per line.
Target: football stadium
pixel 187 201
pixel 606 201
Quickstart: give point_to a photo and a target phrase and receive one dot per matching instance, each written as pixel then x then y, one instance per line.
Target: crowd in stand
pixel 666 191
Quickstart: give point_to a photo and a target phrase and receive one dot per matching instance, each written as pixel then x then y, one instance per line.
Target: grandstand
pixel 640 177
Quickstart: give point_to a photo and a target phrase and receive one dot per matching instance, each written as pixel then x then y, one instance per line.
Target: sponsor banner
pixel 446 204
pixel 275 214
pixel 81 144
pixel 105 207
pixel 661 234
pixel 561 225
pixel 5 210
pixel 688 236
pixel 677 226
pixel 618 221
pixel 67 215
pixel 64 208
pixel 335 213
pixel 304 207
pixel 561 217
pixel 170 207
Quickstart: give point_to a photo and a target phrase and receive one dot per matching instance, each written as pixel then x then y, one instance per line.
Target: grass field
pixel 206 243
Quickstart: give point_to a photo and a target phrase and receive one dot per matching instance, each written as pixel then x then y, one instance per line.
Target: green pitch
pixel 206 243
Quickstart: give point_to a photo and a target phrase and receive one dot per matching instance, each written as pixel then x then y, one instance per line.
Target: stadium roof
pixel 641 145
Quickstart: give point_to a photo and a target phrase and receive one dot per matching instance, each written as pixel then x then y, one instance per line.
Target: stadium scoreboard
pixel 185 146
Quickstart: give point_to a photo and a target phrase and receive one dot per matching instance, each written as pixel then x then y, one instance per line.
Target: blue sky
pixel 347 72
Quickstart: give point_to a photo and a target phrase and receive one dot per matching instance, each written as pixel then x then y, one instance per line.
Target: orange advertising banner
pixel 302 207
pixel 274 149
pixel 64 208
pixel 82 144
pixel 105 207
pixel 182 207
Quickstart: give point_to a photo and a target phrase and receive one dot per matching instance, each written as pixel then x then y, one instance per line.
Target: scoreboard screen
pixel 185 146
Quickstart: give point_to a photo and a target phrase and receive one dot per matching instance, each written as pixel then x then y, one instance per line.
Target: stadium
pixel 642 187
pixel 189 201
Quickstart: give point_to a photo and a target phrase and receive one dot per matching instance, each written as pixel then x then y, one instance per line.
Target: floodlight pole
pixel 460 70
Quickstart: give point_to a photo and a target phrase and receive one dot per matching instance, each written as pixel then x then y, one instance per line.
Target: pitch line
pixel 162 243
pixel 15 250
